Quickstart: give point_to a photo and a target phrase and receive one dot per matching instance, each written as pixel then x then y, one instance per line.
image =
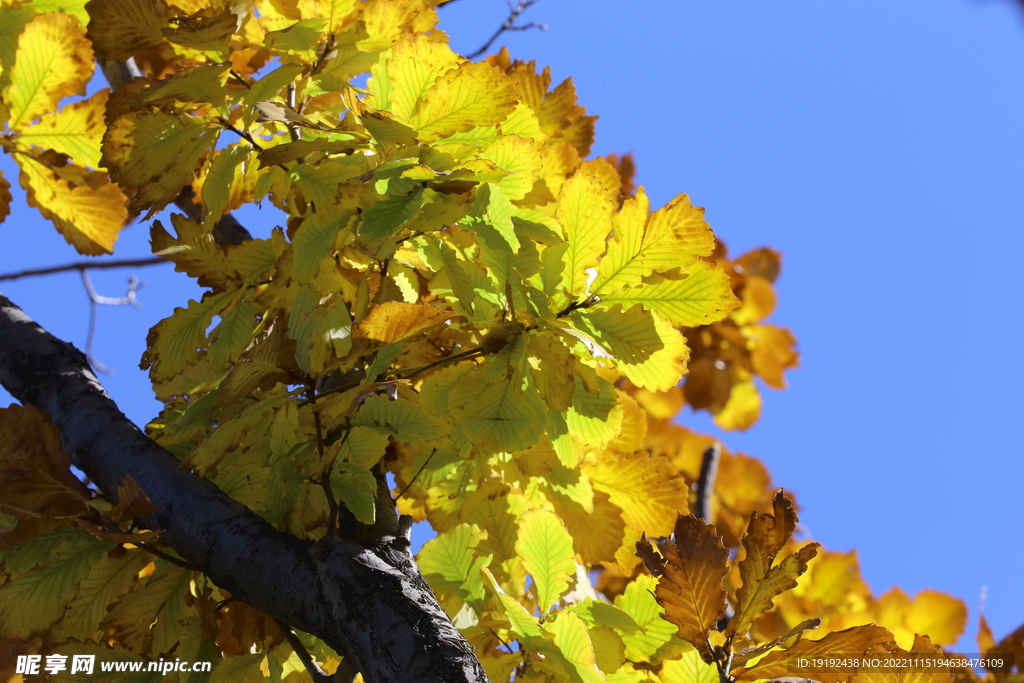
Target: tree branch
pixel 510 24
pixel 83 266
pixel 367 601
pixel 706 481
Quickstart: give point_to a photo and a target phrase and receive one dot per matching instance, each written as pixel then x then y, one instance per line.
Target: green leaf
pixel 400 418
pixel 312 241
pixel 449 561
pixel 364 446
pixel 231 337
pixel 48 589
pixel 356 487
pixel 217 185
pixel 110 577
pixel 639 603
pixel 238 669
pixel 546 550
pixel 301 36
pixel 268 87
pixel 386 217
pixel 174 341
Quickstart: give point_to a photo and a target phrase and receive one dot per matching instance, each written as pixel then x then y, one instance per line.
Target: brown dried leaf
pixel 690 588
pixel 856 640
pixel 765 537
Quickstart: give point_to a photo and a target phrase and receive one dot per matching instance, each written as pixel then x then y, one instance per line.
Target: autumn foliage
pixel 463 311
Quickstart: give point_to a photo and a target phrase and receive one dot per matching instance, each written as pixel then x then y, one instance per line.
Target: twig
pixel 94 301
pixel 167 558
pixel 417 475
pixel 447 359
pixel 510 24
pixel 315 672
pixel 706 481
pixel 83 266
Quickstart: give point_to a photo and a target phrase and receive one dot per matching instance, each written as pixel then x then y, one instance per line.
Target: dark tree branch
pixel 367 601
pixel 83 266
pixel 510 24
pixel 706 482
pixel 315 672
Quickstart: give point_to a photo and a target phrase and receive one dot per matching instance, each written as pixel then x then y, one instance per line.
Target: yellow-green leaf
pixel 702 296
pixel 546 550
pixel 356 487
pixel 75 130
pixel 584 211
pixel 647 349
pixel 472 94
pixel 53 61
pixel 174 341
pixel 400 418
pixel 450 561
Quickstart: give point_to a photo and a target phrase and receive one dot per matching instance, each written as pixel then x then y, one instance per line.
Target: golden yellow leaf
pixel 395 320
pixel 86 208
pixel 773 353
pixel 53 61
pixel 208 30
pixel 742 409
pixel 472 94
pixel 584 211
pixel 415 63
pixel 75 130
pixel 937 615
pixel 648 490
pixel 551 366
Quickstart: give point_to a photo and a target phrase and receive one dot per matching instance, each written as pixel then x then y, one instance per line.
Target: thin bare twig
pixel 315 672
pixel 510 24
pixel 83 266
pixel 94 301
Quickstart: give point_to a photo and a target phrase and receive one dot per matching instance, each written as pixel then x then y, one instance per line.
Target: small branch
pixel 315 672
pixel 83 266
pixel 706 482
pixel 576 305
pixel 240 133
pixel 447 359
pixel 417 475
pixel 94 301
pixel 167 558
pixel 510 24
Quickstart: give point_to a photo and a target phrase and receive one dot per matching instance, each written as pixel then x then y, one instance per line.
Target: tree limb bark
pixel 368 602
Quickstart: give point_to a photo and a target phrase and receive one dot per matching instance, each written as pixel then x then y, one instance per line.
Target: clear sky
pixel 878 144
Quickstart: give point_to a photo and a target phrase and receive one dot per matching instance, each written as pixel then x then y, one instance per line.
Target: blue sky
pixel 879 146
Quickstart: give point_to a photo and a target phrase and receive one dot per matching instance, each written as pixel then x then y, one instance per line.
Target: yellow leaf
pixel 773 353
pixel 53 61
pixel 648 489
pixel 546 549
pixel 193 251
pixel 472 94
pixel 395 320
pixel 742 409
pixel 416 62
pixel 646 348
pixel 518 155
pixel 87 209
pixel 584 211
pixel 312 241
pixel 702 296
pixel 551 366
pixel 937 615
pixel 690 585
pixel 573 640
pixel 75 130
pixel 758 301
pixel 643 244
pixel 156 154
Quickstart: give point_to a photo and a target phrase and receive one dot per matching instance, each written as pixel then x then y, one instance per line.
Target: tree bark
pixel 368 602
